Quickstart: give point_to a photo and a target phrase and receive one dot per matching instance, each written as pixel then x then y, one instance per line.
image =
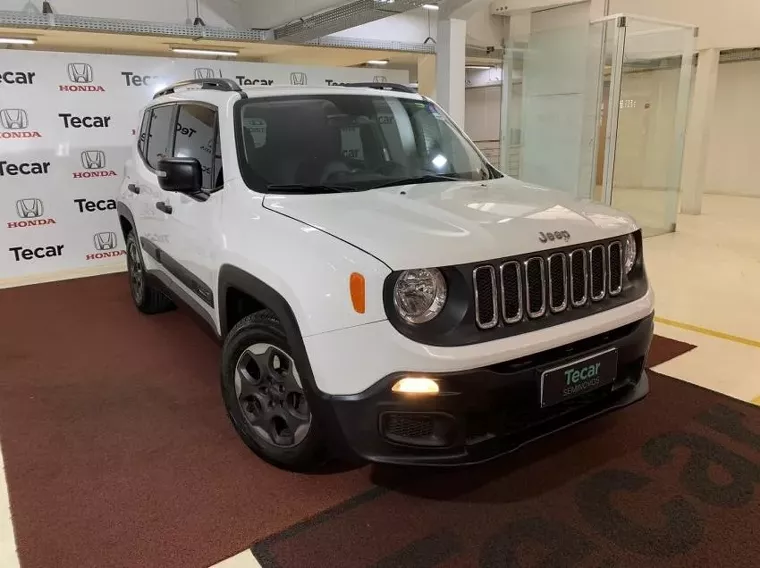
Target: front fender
pixel 306 268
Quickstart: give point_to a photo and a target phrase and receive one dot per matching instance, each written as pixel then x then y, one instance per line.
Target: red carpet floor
pixel 118 453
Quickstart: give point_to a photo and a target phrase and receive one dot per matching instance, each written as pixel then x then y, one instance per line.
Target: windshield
pixel 321 143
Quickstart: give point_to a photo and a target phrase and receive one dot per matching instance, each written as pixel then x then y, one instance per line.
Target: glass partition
pixel 649 85
pixel 599 110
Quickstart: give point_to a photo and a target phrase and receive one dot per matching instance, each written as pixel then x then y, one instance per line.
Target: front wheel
pixel 264 395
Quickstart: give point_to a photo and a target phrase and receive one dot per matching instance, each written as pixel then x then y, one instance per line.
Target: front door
pixel 194 221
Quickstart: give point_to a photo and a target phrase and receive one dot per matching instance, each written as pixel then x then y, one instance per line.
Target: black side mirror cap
pixel 182 175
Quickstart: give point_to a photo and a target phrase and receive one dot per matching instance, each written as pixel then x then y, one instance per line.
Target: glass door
pixel 649 85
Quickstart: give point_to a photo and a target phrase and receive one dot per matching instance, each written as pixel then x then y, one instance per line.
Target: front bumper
pixel 491 410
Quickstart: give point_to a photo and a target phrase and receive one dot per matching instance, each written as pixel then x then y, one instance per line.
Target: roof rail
pixel 384 87
pixel 215 84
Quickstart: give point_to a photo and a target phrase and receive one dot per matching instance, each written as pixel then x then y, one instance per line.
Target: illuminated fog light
pixel 416 385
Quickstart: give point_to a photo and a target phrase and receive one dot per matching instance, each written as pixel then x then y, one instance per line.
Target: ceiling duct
pixel 135 27
pixel 737 55
pixel 373 44
pixel 342 17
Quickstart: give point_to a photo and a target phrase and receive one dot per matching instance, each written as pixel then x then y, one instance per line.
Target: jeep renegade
pixel 380 289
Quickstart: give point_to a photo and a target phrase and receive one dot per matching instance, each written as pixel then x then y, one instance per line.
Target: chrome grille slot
pixel 486 310
pixel 598 276
pixel 557 282
pixel 511 292
pixel 535 287
pixel 578 278
pixel 615 255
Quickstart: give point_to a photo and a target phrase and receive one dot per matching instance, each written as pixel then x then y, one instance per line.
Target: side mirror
pixel 183 175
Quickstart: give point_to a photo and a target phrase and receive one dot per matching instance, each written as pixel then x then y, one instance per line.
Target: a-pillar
pixel 450 71
pixel 698 132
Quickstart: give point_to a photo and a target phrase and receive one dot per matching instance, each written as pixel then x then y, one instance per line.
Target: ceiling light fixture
pixel 17 40
pixel 377 62
pixel 481 67
pixel 198 51
pixel 431 6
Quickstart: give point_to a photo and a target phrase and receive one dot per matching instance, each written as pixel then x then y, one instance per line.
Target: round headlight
pixel 419 295
pixel 630 253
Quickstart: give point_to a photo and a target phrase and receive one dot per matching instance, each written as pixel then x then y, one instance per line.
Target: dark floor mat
pixel 118 451
pixel 672 481
pixel 664 349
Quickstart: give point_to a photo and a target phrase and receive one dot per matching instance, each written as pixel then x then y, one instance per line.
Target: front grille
pixel 547 283
pixel 535 287
pixel 511 292
pixel 484 279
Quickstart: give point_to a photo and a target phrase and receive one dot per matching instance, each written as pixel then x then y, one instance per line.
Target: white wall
pixel 483 112
pixel 733 165
pixel 732 23
pixel 646 129
pixel 218 13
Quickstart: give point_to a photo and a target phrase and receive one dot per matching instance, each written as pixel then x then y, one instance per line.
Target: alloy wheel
pixel 270 396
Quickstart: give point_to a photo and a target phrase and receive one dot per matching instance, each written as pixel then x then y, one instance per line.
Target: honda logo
pixel 93 159
pixel 79 72
pixel 105 241
pixel 205 73
pixel 380 79
pixel 29 208
pixel 299 78
pixel 14 119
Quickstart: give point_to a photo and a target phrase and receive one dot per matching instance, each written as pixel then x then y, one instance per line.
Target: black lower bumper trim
pixel 489 411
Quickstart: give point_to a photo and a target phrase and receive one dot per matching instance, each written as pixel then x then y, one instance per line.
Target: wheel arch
pixel 269 298
pixel 126 219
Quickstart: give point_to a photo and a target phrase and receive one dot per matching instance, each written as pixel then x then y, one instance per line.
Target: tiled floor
pixel 705 276
pixel 705 279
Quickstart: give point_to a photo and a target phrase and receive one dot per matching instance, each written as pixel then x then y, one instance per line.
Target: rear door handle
pixel 161 206
pixel 133 188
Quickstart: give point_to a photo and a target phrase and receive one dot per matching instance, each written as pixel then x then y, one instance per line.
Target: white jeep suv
pixel 380 289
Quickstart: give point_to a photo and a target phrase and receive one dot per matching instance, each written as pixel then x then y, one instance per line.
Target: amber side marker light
pixel 416 385
pixel 357 287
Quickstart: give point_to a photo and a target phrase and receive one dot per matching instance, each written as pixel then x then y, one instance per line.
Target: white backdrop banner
pixel 66 124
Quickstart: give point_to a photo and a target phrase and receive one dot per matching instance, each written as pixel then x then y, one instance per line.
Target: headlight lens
pixel 419 295
pixel 630 253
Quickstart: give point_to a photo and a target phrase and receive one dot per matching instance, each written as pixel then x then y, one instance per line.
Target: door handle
pixel 133 188
pixel 161 206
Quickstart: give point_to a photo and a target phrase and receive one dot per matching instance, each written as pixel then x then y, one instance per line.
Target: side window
pixel 159 143
pixel 143 134
pixel 196 137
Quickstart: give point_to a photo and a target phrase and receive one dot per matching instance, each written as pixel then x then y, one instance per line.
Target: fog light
pixel 416 385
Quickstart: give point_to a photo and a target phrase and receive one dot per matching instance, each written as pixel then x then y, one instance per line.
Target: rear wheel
pixel 264 395
pixel 147 299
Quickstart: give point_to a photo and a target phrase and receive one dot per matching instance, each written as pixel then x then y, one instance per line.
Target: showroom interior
pixel 116 448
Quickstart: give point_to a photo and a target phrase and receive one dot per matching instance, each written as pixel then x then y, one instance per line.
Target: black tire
pixel 147 299
pixel 264 400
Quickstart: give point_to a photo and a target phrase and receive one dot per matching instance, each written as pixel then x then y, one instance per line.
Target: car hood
pixel 447 223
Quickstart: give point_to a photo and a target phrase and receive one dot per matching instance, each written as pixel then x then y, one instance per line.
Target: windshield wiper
pixel 307 189
pixel 429 178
